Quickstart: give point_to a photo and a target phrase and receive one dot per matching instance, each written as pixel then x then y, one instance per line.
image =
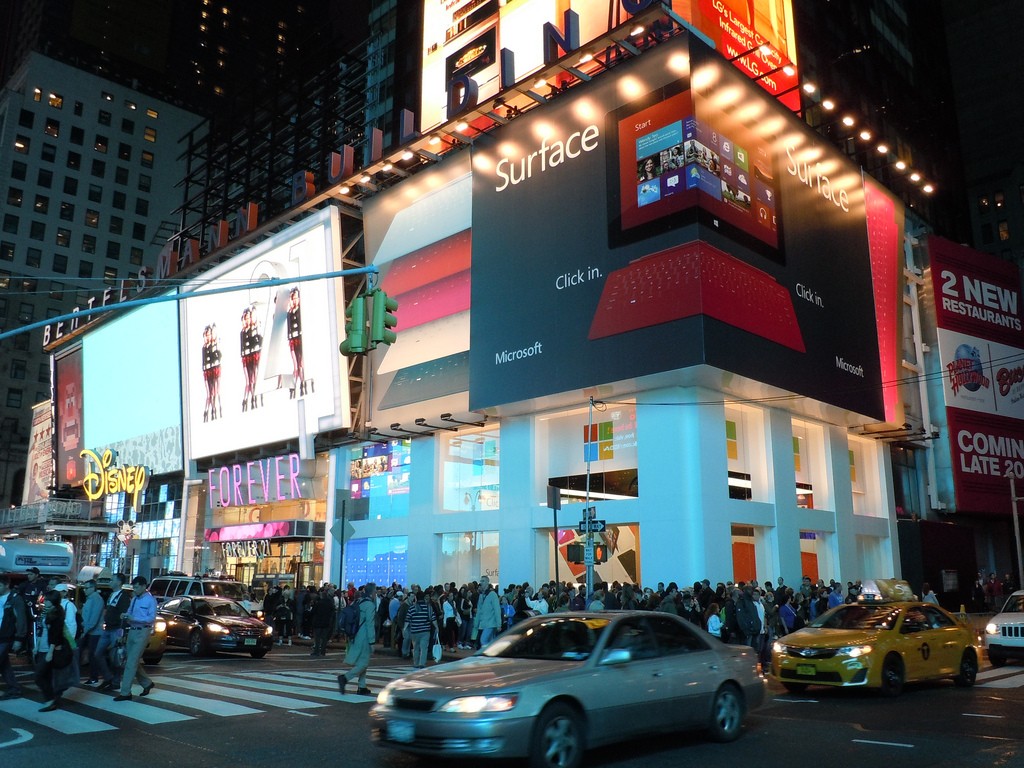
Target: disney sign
pixel 103 477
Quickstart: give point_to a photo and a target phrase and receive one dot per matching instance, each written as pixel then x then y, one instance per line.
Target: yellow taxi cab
pixel 882 641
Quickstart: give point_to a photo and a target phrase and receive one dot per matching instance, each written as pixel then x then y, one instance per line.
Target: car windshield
pixel 561 637
pixel 858 617
pixel 1015 604
pixel 229 589
pixel 226 608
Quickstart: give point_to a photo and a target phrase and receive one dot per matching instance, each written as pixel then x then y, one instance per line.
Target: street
pixel 237 711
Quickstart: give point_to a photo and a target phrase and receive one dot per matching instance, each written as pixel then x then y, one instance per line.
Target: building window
pixel 101 143
pixel 14 196
pixel 92 218
pixel 74 161
pixel 14 396
pixel 48 154
pixel 70 185
pixel 124 151
pixel 147 160
pixel 109 275
pixel 104 118
pixel 60 263
pixel 89 243
pixel 145 182
pixel 26 312
pixel 56 290
pixel 95 193
pixel 37 230
pixel 1004 230
pixel 6 251
pixel 127 126
pixel 79 109
pixel 135 256
pixel 44 373
pixel 999 198
pixel 44 178
pixel 113 249
pixel 26 119
pixel 67 211
pixel 56 101
pixel 77 135
pixel 85 269
pixel 19 170
pixel 152 113
pixel 99 168
pixel 139 231
pixel 141 207
pixel 17 369
pixel 149 134
pixel 42 204
pixel 63 237
pixel 34 258
pixel 22 144
pixel 116 225
pixel 10 225
pixel 121 175
pixel 120 200
pixel 52 127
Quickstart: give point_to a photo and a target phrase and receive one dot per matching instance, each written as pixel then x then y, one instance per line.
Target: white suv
pixel 1004 634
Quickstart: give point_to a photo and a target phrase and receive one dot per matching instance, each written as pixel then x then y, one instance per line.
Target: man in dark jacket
pixel 747 618
pixel 13 631
pixel 105 657
pixel 323 621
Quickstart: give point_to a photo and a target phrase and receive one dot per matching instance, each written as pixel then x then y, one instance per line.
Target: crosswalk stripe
pixel 59 720
pixel 1013 681
pixel 135 709
pixel 254 697
pixel 263 685
pixel 203 704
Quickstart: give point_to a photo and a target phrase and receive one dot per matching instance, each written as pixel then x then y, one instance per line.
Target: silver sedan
pixel 554 686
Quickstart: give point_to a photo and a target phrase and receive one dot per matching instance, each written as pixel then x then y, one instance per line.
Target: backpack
pixel 349 619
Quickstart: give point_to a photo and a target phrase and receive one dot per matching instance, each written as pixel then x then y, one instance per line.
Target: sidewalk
pixel 378 649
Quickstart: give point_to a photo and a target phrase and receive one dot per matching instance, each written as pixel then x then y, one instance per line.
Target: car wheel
pixel 892 676
pixel 795 687
pixel 195 643
pixel 995 659
pixel 968 670
pixel 258 654
pixel 557 738
pixel 726 714
pixel 152 659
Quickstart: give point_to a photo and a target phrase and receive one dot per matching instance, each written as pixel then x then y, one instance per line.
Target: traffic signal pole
pixel 589 549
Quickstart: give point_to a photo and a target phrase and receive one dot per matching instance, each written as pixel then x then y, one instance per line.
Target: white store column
pixel 683 480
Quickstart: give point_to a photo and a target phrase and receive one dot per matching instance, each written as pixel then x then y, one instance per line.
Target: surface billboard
pixel 463 39
pixel 261 365
pixel 981 348
pixel 671 214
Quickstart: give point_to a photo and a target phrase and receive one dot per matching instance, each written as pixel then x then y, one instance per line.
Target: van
pixel 163 588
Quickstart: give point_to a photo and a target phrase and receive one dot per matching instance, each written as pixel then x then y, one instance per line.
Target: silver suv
pixel 1004 634
pixel 165 587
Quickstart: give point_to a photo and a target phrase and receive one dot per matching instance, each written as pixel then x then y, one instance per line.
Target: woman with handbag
pixel 54 649
pixel 450 622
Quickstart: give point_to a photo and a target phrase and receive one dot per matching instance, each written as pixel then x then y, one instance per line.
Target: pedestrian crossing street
pixel 177 699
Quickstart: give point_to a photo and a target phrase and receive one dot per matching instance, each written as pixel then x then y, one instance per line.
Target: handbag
pixel 435 651
pixel 458 619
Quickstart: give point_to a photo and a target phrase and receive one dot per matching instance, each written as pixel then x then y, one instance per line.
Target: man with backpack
pixel 14 624
pixel 359 650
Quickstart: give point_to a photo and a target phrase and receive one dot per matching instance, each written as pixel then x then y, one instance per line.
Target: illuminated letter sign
pixel 103 477
pixel 254 482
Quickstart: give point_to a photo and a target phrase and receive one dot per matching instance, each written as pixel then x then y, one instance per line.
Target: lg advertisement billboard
pixel 670 214
pixel 463 40
pixel 981 347
pixel 261 365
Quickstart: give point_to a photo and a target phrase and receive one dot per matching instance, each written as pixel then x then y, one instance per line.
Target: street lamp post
pixel 1016 530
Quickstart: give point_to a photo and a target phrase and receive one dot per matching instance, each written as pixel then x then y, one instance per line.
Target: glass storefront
pixel 378 480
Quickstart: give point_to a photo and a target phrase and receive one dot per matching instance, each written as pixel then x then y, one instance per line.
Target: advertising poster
pixel 68 419
pixel 463 39
pixel 669 214
pixel 981 348
pixel 39 468
pixel 251 357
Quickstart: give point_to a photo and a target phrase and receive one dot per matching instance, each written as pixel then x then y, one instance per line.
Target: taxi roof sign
pixel 878 590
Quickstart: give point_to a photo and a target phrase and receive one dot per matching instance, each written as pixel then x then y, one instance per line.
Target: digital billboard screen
pixel 747 250
pixel 251 357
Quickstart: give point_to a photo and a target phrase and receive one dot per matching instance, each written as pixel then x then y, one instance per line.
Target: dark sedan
pixel 208 624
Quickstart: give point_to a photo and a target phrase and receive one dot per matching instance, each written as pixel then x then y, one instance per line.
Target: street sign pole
pixel 586 508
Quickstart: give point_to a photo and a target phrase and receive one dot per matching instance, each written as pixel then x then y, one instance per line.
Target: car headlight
pixel 854 651
pixel 160 625
pixel 778 647
pixel 468 705
pixel 268 631
pixel 384 698
pixel 991 629
pixel 215 627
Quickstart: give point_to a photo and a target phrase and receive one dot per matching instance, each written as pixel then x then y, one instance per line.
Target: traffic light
pixel 355 327
pixel 574 553
pixel 600 553
pixel 383 319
